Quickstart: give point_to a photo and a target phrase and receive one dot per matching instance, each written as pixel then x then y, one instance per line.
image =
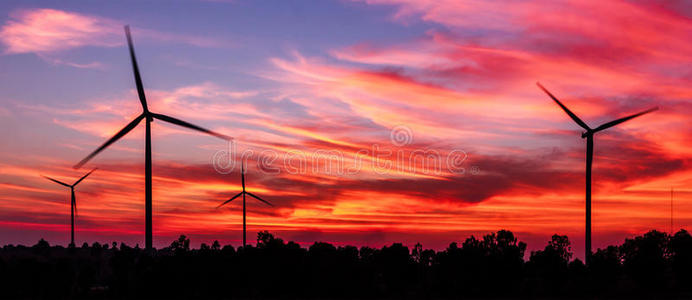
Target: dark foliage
pixel 654 265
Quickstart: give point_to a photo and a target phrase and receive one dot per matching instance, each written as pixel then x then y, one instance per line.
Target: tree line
pixel 653 265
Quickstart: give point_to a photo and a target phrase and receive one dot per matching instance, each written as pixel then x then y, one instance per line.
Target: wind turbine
pixel 243 193
pixel 588 135
pixel 73 202
pixel 149 116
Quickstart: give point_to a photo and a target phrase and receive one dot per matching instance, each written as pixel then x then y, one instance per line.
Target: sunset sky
pixel 364 122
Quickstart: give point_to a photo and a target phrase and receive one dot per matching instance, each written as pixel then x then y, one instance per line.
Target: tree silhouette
pixel 549 267
pixel 606 269
pixel 644 259
pixel 653 265
pixel 680 251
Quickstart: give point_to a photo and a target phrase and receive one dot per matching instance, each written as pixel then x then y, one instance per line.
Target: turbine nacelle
pixel 587 133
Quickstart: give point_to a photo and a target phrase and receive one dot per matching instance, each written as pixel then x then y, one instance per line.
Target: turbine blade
pixel 618 121
pixel 85 176
pixel 570 113
pixel 56 181
pixel 260 199
pixel 229 200
pixel 242 173
pixel 135 69
pixel 117 136
pixel 188 125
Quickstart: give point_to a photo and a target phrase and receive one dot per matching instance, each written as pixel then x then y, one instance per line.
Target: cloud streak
pixel 47 31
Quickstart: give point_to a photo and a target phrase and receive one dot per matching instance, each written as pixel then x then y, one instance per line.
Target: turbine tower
pixel 243 193
pixel 149 116
pixel 73 202
pixel 588 135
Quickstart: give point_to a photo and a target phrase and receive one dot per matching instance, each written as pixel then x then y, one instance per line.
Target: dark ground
pixel 654 265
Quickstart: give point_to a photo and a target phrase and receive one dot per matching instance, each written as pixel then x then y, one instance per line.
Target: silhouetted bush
pixel 654 265
pixel 644 260
pixel 680 251
pixel 606 270
pixel 549 268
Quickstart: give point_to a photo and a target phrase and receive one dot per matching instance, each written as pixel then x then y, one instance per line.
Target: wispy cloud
pixel 47 31
pixel 57 61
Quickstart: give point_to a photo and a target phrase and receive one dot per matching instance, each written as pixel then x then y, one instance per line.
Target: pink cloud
pixel 104 117
pixel 50 30
pixel 476 79
pixel 617 30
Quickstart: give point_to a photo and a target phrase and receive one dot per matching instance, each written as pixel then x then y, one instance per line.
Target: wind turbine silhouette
pixel 73 202
pixel 243 193
pixel 588 135
pixel 149 116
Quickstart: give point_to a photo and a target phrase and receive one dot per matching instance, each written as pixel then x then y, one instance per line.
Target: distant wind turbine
pixel 243 193
pixel 588 134
pixel 149 116
pixel 73 202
